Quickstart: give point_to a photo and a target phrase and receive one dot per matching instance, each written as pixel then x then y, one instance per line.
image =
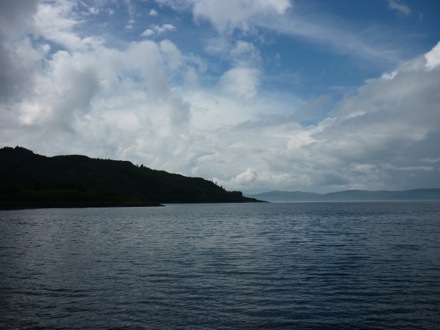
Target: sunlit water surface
pixel 222 266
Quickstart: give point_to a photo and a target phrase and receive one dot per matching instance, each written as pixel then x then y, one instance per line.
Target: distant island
pixel 348 195
pixel 29 180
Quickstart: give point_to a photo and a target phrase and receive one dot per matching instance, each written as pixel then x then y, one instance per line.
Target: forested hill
pixel 29 180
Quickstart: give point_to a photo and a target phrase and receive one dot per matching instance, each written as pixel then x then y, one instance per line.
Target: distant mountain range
pixel 29 180
pixel 348 195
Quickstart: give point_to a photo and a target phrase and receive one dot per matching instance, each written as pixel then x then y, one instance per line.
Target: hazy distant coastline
pixel 348 195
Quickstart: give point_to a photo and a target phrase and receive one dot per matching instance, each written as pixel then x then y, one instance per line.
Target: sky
pixel 256 95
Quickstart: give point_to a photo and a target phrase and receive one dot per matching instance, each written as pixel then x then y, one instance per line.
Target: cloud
pixel 431 160
pixel 371 43
pixel 158 29
pixel 55 22
pixel 433 58
pixel 239 52
pixel 120 104
pixel 97 100
pixel 149 102
pixel 367 43
pixel 244 53
pixel 172 56
pixel 16 18
pixel 399 7
pixel 336 35
pixel 131 13
pixel 381 137
pixel 18 62
pixel 240 82
pixel 245 178
pixel 226 16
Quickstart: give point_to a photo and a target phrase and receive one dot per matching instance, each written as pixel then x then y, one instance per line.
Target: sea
pixel 336 265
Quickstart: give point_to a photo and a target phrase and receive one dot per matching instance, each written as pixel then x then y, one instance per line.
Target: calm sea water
pixel 222 266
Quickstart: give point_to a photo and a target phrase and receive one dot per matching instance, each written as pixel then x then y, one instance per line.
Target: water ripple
pixel 256 266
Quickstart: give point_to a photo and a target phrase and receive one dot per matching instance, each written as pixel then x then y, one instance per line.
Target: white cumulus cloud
pixel 163 105
pixel 241 82
pixel 158 29
pixel 228 15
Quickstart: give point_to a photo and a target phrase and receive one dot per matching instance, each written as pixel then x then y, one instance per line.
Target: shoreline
pixel 6 206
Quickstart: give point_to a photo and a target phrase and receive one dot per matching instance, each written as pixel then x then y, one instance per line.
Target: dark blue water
pixel 222 266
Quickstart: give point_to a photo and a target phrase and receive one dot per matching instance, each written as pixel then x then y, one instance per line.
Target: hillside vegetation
pixel 29 180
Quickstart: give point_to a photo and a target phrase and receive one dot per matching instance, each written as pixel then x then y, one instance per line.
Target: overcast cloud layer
pixel 255 94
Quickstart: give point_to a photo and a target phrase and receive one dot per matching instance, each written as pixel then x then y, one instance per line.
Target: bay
pixel 367 265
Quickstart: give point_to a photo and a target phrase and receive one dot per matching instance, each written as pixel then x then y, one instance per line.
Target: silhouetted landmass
pixel 29 180
pixel 349 195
